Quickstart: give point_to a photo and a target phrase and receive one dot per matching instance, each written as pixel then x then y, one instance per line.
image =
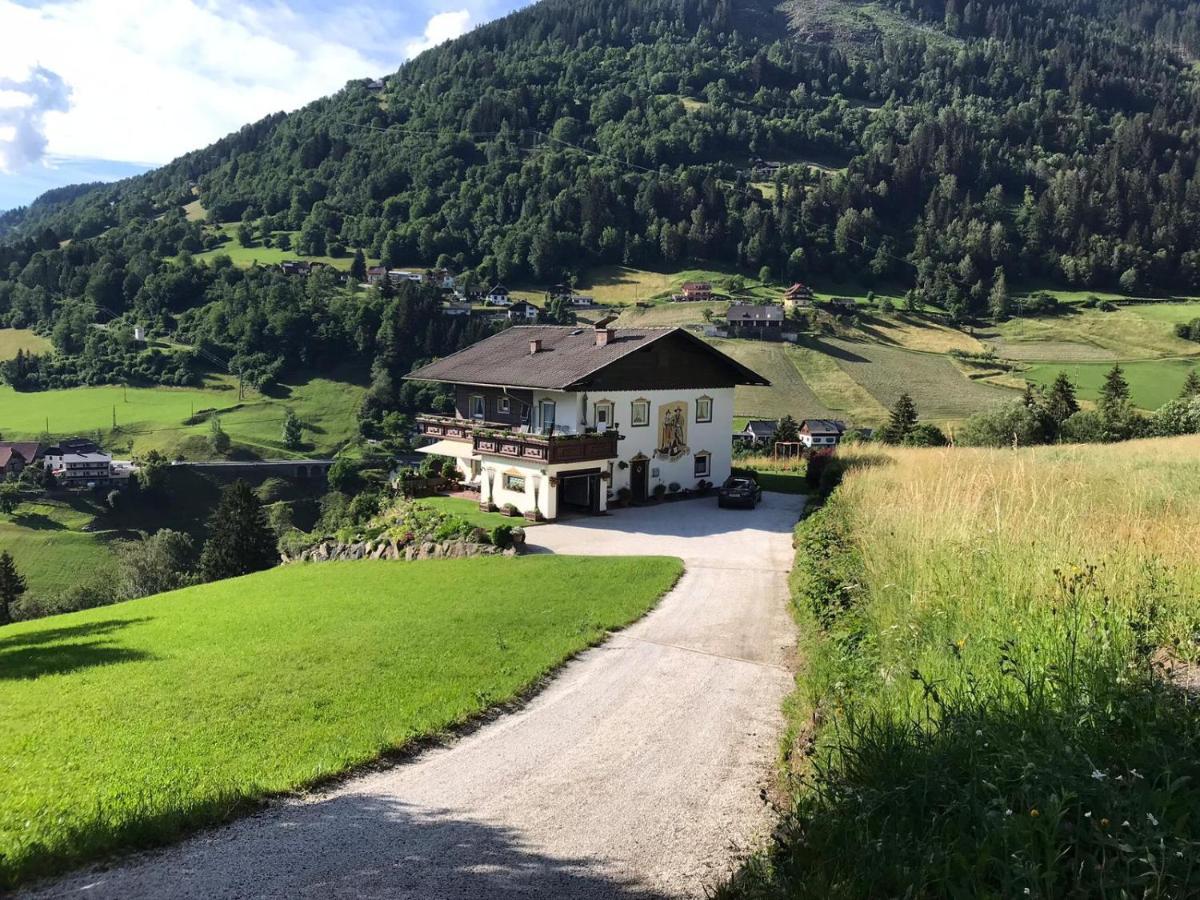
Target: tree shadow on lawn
pixel 37 522
pixel 67 632
pixel 359 845
pixel 829 349
pixel 34 662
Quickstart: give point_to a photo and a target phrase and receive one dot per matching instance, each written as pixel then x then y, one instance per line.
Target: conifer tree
pixel 902 422
pixel 1061 403
pixel 1114 393
pixel 358 268
pixel 291 431
pixel 240 537
pixel 12 586
pixel 1191 385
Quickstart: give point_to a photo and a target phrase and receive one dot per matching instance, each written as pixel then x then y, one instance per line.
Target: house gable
pixel 675 361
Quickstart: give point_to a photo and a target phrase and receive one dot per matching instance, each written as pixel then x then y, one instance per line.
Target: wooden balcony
pixel 494 439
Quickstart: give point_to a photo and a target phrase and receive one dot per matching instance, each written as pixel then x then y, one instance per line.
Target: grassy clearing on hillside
pixel 1152 383
pixel 130 725
pixel 270 256
pixel 154 418
pixel 979 712
pixel 1130 332
pixel 50 545
pixel 939 389
pixel 14 339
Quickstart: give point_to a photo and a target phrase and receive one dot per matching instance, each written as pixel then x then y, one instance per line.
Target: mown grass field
pixel 130 725
pixel 52 544
pixel 1151 382
pixel 155 417
pixel 1129 332
pixel 14 339
pixel 988 702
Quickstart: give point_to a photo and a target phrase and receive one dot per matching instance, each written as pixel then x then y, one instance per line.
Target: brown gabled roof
pixel 29 450
pixel 568 356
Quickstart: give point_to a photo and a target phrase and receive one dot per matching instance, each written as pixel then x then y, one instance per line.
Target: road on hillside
pixel 636 773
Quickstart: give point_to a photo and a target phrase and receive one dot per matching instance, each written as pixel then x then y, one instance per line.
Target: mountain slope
pixel 957 141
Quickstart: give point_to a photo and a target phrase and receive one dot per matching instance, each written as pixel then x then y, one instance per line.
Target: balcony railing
pixel 496 439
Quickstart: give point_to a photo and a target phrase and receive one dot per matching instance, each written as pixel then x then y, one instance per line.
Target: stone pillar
pixel 602 488
pixel 547 503
pixel 485 488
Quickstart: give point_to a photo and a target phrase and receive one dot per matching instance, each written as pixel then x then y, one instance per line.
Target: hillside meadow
pixel 999 652
pixel 157 418
pixel 130 725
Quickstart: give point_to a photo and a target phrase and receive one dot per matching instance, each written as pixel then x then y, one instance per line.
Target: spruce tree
pixel 291 431
pixel 12 586
pixel 240 537
pixel 1061 403
pixel 1115 391
pixel 902 422
pixel 787 430
pixel 1191 385
pixel 358 268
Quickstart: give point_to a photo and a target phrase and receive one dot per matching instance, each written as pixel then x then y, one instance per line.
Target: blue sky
pixel 101 89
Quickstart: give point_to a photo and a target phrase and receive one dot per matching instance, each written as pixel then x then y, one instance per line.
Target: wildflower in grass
pixel 1088 814
pixel 1097 775
pixel 1150 818
pixel 1104 823
pixel 1033 813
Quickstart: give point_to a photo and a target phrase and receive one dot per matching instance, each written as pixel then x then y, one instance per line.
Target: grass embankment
pixel 130 725
pixel 469 511
pixel 53 543
pixel 980 712
pixel 157 418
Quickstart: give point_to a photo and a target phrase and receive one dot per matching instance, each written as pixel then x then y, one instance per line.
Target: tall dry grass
pixel 981 702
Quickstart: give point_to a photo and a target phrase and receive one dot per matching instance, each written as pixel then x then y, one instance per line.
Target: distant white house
pixel 78 463
pixel 521 311
pixel 457 308
pixel 498 296
pixel 139 333
pixel 821 432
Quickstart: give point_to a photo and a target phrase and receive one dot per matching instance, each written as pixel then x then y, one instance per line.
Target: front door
pixel 638 481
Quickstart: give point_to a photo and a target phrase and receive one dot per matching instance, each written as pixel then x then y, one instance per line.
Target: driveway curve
pixel 637 773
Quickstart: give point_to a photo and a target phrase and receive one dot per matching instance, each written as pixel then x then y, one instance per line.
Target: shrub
pixel 501 536
pixel 925 434
pixel 510 509
pixel 673 487
pixel 624 494
pixel 660 490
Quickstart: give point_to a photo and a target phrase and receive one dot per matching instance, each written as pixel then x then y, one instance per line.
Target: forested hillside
pixel 940 145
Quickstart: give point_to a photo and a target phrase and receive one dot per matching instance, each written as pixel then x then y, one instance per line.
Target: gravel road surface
pixel 635 774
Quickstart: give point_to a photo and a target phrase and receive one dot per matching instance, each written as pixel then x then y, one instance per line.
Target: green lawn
pixel 50 545
pixel 469 510
pixel 1151 382
pixel 130 725
pixel 14 339
pixel 154 418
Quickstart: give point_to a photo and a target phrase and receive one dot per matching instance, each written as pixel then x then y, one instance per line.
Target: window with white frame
pixel 503 405
pixel 702 467
pixel 704 409
pixel 514 483
pixel 478 409
pixel 639 413
pixel 603 415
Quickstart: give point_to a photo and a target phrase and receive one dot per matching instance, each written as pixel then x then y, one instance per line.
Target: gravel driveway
pixel 636 773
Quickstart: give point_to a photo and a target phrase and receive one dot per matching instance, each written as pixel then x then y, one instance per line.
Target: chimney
pixel 604 334
pixel 535 346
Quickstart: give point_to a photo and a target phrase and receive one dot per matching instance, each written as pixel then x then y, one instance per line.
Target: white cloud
pixel 152 79
pixel 24 106
pixel 445 26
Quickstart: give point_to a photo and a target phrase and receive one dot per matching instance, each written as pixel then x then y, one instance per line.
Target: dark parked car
pixel 739 491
